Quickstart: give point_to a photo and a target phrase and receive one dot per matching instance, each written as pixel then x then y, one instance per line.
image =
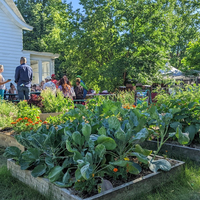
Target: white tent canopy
pixel 171 71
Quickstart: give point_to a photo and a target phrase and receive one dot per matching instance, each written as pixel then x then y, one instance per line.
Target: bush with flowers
pixel 27 118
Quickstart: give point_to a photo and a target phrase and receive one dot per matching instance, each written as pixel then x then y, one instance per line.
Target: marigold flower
pixel 115 169
pixel 13 122
pixel 38 117
pixel 25 118
pixel 45 122
pixel 166 151
pixel 92 175
pixel 27 124
pixel 33 124
pixel 31 128
pixel 127 159
pixel 133 106
pixel 40 121
pixel 17 120
pixel 20 119
pixel 36 122
pixel 127 171
pixel 79 181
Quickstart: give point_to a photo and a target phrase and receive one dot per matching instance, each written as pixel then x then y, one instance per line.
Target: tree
pixel 113 37
pixel 49 18
pixel 186 27
pixel 192 60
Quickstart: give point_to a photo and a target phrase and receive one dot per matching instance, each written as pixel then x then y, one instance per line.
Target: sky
pixel 75 4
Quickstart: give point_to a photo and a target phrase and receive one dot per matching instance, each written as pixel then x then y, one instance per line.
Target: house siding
pixel 11 46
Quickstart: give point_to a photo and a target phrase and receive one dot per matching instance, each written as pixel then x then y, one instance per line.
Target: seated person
pixel 49 85
pixel 33 88
pixel 12 90
pixel 65 88
pixel 78 89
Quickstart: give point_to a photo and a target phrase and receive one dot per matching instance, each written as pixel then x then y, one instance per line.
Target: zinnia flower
pixel 134 106
pixel 45 122
pixel 20 119
pixel 25 118
pixel 13 122
pixel 38 117
pixel 27 124
pixel 36 122
pixel 115 169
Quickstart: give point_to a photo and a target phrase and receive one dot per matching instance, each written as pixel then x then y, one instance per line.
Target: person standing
pixel 49 85
pixel 23 78
pixel 85 89
pixel 78 90
pixel 2 82
pixel 53 80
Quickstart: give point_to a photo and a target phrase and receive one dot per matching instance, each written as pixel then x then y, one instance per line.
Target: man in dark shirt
pixel 23 78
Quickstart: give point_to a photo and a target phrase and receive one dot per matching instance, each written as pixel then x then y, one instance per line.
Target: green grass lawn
pixel 186 187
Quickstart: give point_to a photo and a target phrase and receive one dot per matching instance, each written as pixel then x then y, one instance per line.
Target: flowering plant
pixel 26 124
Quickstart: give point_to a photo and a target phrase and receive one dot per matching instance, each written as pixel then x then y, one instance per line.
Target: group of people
pixel 23 79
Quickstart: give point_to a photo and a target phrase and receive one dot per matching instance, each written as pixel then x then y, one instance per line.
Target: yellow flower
pixel 127 159
pixel 92 175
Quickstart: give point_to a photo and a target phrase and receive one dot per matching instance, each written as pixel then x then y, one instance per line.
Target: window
pixel 35 68
pixel 45 70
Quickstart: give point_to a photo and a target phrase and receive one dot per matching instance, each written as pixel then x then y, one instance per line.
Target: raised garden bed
pixel 128 190
pixel 44 116
pixel 175 150
pixel 8 140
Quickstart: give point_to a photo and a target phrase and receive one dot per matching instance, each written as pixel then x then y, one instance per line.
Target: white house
pixel 12 25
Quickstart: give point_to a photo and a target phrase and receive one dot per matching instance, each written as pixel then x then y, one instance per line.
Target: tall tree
pixel 186 27
pixel 112 37
pixel 49 18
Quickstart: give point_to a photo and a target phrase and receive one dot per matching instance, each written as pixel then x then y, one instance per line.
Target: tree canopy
pixel 112 41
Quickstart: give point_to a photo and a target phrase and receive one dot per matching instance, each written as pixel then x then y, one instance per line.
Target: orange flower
pixel 31 128
pixel 38 117
pixel 25 118
pixel 134 106
pixel 45 122
pixel 115 169
pixel 30 121
pixel 33 124
pixel 166 151
pixel 17 120
pixel 179 104
pixel 13 122
pixel 40 121
pixel 27 124
pixel 92 175
pixel 20 119
pixel 36 122
pixel 127 171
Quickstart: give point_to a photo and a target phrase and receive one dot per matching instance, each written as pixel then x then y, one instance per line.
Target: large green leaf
pixel 120 135
pixel 12 152
pixel 100 150
pixel 183 138
pixel 113 123
pixel 66 177
pixel 63 185
pixel 140 157
pixel 69 147
pixel 102 131
pixel 77 156
pixel 76 136
pixel 140 136
pixel 49 162
pixel 39 170
pixel 133 168
pixel 192 131
pixel 55 174
pixel 142 151
pixel 87 130
pixel 86 171
pixel 155 165
pixel 78 174
pixel 174 125
pixel 89 158
pixel 31 154
pixel 108 142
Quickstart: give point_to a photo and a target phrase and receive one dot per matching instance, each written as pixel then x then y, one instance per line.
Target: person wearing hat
pixel 53 80
pixel 85 89
pixel 49 85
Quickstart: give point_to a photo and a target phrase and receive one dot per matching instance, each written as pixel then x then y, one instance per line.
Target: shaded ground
pixel 186 187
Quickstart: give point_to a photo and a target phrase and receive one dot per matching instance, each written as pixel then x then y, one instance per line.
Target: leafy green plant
pixel 185 105
pixel 53 104
pixel 8 113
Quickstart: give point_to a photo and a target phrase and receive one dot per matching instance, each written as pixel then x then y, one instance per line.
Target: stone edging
pixel 174 150
pixel 127 191
pixel 7 140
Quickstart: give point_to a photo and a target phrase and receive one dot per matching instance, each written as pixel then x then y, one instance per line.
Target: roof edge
pixel 11 14
pixel 47 54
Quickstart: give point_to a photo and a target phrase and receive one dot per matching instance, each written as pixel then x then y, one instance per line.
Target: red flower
pixel 45 122
pixel 25 118
pixel 115 169
pixel 20 119
pixel 38 117
pixel 13 122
